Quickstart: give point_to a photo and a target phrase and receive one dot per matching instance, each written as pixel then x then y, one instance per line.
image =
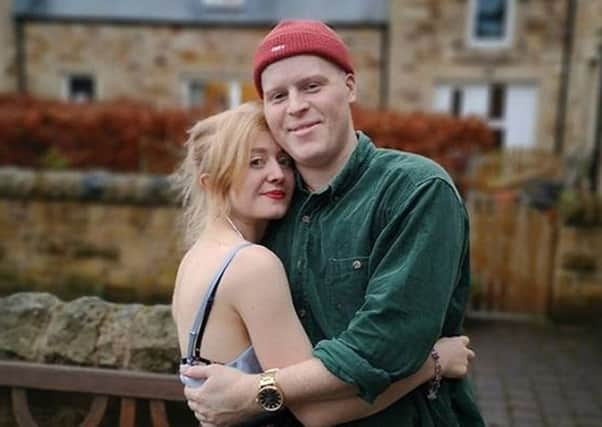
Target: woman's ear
pixel 203 181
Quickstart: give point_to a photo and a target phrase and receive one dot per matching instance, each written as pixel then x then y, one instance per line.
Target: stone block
pixel 153 341
pixel 24 318
pixel 112 347
pixel 73 332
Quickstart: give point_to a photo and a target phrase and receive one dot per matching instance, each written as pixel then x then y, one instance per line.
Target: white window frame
pixel 234 95
pixel 223 4
pixel 65 89
pixel 504 42
pixel 442 103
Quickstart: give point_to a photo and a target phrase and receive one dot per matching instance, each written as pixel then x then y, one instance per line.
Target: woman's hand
pixel 226 398
pixel 454 356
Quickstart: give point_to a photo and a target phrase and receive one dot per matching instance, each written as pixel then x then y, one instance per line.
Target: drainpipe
pixel 595 169
pixel 567 53
pixel 20 55
pixel 385 55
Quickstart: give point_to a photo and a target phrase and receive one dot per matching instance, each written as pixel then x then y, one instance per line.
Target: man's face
pixel 306 103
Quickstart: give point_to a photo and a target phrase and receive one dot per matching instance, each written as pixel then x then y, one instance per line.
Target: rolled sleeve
pixel 415 265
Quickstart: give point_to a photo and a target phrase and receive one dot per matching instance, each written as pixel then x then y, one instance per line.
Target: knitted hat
pixel 298 37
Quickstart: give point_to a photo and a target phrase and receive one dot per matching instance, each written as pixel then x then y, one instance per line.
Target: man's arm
pixel 228 395
pixel 419 255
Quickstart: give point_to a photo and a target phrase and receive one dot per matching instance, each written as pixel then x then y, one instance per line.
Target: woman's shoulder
pixel 254 271
pixel 256 260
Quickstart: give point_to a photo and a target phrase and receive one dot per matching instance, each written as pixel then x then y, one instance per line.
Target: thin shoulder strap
pixel 197 330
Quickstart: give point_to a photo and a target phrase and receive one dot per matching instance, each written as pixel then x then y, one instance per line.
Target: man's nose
pixel 296 103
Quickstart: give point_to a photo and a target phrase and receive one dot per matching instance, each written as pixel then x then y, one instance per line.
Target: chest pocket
pixel 347 279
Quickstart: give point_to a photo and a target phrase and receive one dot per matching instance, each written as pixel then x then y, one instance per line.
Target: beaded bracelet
pixel 436 381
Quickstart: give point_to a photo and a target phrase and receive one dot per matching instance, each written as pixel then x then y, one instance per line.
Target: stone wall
pixel 88 233
pixel 148 63
pixel 583 90
pixel 429 45
pixel 38 327
pixel 88 331
pixel 8 68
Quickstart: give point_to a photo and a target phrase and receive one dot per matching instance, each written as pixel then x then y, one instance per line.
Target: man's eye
pixel 257 162
pixel 285 162
pixel 276 97
pixel 312 86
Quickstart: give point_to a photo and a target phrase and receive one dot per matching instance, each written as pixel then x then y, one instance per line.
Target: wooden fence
pixel 512 255
pixel 512 244
pixel 127 386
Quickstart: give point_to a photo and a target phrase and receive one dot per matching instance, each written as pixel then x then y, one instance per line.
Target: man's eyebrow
pixel 313 77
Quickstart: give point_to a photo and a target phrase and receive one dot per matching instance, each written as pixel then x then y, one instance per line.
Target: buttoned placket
pixel 306 221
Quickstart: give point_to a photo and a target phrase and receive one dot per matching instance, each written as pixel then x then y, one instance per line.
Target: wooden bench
pixel 129 386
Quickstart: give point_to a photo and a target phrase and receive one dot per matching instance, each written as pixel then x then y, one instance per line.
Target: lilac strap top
pixel 246 361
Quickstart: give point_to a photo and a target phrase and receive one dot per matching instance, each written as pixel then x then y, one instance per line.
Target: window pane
pixel 497 101
pixel 81 87
pixel 249 93
pixel 196 93
pixel 443 98
pixel 456 102
pixel 217 95
pixel 475 100
pixel 491 19
pixel 521 101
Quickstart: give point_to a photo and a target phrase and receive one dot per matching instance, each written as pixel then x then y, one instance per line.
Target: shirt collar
pixel 350 171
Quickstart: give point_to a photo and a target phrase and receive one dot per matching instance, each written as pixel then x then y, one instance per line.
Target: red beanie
pixel 298 37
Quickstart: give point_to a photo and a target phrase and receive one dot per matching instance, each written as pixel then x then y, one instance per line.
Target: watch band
pixel 269 396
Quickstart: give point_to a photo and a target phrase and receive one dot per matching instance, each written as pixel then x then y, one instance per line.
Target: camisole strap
pixel 193 352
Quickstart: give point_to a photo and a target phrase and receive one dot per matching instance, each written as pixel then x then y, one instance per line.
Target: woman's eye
pixel 257 162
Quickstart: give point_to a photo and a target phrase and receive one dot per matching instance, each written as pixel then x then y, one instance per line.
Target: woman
pixel 235 179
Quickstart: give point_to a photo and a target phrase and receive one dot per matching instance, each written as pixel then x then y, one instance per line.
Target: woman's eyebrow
pixel 258 150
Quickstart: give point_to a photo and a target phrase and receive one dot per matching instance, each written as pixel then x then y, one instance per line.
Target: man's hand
pixel 226 398
pixel 455 356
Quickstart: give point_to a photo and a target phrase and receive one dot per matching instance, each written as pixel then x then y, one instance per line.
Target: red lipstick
pixel 275 194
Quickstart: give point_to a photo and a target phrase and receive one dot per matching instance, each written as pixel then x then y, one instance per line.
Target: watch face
pixel 269 398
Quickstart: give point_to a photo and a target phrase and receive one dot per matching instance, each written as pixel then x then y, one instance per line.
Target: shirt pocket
pixel 347 279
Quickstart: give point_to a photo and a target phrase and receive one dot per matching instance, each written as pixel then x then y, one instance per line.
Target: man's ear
pixel 351 87
pixel 203 181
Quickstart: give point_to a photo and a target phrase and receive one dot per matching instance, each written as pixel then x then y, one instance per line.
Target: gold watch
pixel 269 396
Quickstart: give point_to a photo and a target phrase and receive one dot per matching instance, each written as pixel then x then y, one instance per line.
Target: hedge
pixel 128 136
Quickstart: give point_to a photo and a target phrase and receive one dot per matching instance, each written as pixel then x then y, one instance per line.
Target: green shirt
pixel 379 269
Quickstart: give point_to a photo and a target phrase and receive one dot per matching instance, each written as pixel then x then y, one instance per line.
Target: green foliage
pixel 54 159
pixel 580 208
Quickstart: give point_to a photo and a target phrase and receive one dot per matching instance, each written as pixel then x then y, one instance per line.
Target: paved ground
pixel 530 374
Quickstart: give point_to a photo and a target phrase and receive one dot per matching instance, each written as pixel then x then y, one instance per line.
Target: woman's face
pixel 266 189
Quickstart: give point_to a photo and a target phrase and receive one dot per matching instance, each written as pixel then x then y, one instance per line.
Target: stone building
pixel 182 52
pixel 531 68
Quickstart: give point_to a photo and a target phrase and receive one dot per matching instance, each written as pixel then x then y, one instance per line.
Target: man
pixel 375 245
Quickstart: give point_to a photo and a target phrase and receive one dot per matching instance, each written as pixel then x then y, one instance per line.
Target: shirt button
pixel 302 313
pixel 299 263
pixel 305 219
pixel 339 306
pixel 357 264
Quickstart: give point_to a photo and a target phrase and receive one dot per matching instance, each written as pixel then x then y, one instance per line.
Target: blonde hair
pixel 218 146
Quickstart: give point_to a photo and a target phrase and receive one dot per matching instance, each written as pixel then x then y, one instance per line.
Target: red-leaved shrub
pixel 123 135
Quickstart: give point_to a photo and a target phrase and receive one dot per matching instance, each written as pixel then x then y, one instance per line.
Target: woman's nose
pixel 275 172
